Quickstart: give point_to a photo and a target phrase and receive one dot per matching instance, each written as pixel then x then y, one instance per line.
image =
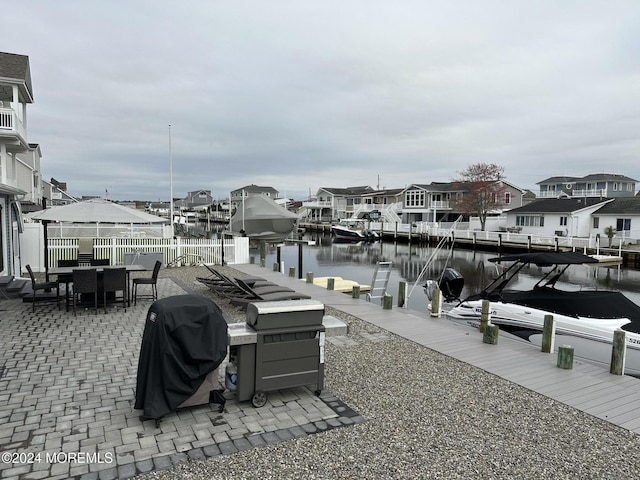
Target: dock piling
pixel 548 334
pixel 565 357
pixel 618 352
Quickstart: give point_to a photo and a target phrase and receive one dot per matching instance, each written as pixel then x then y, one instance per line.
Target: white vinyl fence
pixel 175 250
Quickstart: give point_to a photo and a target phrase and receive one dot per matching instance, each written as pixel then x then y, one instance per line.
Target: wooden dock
pixel 589 388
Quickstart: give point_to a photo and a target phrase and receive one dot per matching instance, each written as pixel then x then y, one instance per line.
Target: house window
pixel 623 224
pixel 507 198
pixel 563 221
pixel 530 221
pixel 414 198
pixel 596 222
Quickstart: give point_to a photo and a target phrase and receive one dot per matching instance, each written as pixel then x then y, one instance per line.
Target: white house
pixel 556 216
pixel 15 94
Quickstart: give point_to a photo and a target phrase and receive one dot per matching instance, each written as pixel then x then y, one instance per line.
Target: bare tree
pixel 484 190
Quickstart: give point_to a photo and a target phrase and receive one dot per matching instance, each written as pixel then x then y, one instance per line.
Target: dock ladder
pixel 380 281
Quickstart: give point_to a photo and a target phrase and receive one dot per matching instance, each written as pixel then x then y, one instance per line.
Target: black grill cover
pixel 185 338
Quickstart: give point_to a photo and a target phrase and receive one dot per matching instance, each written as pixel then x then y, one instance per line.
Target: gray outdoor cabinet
pixel 282 346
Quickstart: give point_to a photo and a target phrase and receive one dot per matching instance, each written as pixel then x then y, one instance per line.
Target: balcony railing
pixel 9 122
pixel 595 192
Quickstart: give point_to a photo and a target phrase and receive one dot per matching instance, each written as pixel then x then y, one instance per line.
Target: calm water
pixel 358 261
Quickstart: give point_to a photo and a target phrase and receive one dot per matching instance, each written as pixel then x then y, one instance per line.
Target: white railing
pixel 10 121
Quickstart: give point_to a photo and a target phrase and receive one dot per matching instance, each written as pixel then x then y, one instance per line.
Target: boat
pixel 584 319
pixel 260 218
pixel 353 230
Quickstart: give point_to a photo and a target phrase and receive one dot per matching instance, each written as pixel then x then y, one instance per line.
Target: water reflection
pixel 357 261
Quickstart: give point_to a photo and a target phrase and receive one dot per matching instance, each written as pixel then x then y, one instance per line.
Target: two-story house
pixel 332 204
pixel 15 94
pixel 440 201
pixel 196 200
pixel 240 193
pixel 599 185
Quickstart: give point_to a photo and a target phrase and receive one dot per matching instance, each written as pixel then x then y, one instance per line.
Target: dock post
pixel 395 233
pixel 292 272
pixel 618 352
pixel 355 291
pixel 387 302
pixel 436 303
pixel 263 253
pixel 490 335
pixel 402 293
pixel 485 316
pixel 300 260
pixel 309 277
pixel 475 240
pixel 548 334
pixel 252 260
pixel 276 267
pixel 331 283
pixel 565 357
pixel 528 243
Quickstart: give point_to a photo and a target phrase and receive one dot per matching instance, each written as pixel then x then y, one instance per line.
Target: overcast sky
pixel 300 95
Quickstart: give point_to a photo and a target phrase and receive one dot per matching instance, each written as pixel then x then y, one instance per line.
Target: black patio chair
pixel 114 280
pixel 42 286
pixel 151 281
pixel 85 281
pixel 66 278
pixel 99 262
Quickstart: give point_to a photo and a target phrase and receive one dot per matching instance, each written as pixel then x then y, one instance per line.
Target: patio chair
pixel 42 286
pixel 99 262
pixel 114 280
pixel 85 281
pixel 66 278
pixel 151 281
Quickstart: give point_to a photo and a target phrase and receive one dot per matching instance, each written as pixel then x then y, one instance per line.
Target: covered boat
pixel 260 218
pixel 585 319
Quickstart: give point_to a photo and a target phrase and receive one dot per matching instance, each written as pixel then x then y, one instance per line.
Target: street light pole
pixel 170 184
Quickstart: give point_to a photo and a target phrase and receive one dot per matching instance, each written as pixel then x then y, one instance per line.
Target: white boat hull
pixel 591 338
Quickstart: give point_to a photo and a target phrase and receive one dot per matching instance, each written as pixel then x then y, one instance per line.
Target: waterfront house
pixel 333 204
pixel 623 214
pixel 555 216
pixel 599 185
pixel 240 193
pixel 439 201
pixel 16 93
pixel 196 200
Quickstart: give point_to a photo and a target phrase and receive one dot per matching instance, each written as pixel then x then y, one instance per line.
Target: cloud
pixel 303 95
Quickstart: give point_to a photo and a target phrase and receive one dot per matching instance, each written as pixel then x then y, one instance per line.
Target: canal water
pixel 357 261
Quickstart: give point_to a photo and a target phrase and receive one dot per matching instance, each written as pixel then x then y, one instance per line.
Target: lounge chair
pixel 263 294
pixel 217 276
pixel 224 285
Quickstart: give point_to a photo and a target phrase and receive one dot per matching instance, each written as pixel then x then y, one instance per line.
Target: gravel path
pixel 429 416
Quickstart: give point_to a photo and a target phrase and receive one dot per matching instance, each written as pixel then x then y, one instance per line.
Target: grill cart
pixel 184 342
pixel 280 346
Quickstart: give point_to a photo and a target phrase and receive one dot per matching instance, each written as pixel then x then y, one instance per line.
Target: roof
pixel 15 68
pixel 255 188
pixel 558 205
pixel 349 190
pixel 385 192
pixel 621 205
pixel 594 177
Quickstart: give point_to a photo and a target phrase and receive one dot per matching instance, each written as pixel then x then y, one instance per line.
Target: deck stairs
pixel 379 282
pixel 12 287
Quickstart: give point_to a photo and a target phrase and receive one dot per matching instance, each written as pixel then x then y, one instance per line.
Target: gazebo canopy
pixel 95 211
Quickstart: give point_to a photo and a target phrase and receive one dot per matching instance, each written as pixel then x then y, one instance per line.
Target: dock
pixel 586 387
pixel 340 284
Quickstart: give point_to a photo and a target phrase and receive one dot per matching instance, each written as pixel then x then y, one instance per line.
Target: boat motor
pixel 451 285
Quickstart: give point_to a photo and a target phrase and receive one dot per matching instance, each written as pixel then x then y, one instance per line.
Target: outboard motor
pixel 451 285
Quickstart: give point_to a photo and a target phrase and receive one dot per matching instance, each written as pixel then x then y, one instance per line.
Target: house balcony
pixel 12 126
pixel 317 204
pixel 596 192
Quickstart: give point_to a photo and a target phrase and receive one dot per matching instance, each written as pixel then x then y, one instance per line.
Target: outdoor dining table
pixel 99 269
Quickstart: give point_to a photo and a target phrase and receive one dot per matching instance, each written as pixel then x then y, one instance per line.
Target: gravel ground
pixel 428 416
